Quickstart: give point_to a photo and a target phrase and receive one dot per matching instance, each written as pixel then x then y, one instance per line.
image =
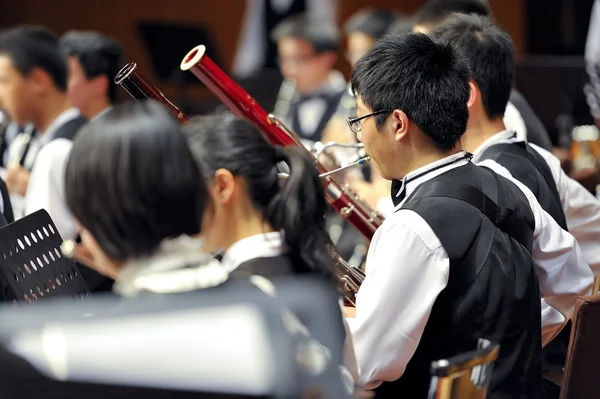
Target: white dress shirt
pixel 266 245
pixel 46 188
pixel 581 208
pixel 47 184
pixel 21 204
pixel 407 267
pixel 514 121
pixel 17 146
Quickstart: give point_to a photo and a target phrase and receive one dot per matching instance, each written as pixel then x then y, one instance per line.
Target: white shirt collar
pixel 418 176
pixel 505 136
pixel 179 265
pixel 265 245
pixel 60 120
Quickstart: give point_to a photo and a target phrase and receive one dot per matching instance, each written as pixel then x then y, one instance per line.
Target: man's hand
pixel 17 180
pixel 349 312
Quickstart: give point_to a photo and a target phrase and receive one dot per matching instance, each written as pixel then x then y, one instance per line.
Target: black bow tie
pixel 310 97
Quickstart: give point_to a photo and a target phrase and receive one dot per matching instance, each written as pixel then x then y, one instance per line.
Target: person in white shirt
pixel 256 50
pixel 415 304
pixel 312 89
pixel 491 55
pixel 33 80
pixel 94 60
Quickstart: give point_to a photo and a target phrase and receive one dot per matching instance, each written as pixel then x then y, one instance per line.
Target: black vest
pixel 527 166
pixel 531 169
pixel 272 267
pixel 485 224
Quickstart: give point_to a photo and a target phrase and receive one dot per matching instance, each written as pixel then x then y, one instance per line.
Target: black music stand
pixel 32 263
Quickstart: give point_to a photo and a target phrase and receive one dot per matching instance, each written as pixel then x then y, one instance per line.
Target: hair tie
pixel 278 153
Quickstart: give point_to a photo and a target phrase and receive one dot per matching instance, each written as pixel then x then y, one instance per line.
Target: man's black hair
pixel 373 22
pixel 322 35
pixel 31 47
pixel 97 54
pixel 435 11
pixel 491 57
pixel 428 81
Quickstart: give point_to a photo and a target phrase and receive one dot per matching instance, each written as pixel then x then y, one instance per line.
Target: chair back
pixel 580 379
pixel 465 376
pixel 227 340
pixel 32 264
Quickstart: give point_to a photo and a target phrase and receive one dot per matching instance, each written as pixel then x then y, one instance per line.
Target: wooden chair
pixel 580 379
pixel 465 376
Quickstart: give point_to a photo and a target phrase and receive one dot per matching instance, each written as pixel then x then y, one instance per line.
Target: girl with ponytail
pixel 264 224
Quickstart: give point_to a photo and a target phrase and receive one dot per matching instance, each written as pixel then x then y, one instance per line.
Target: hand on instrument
pixel 349 312
pixel 17 180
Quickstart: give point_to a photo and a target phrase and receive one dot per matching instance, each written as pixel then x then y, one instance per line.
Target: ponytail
pixel 299 210
pixel 295 206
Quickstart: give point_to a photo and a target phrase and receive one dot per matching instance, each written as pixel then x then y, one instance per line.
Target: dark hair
pixel 97 54
pixel 322 35
pixel 426 80
pixel 132 181
pixel 373 22
pixel 32 47
pixel 491 57
pixel 435 11
pixel 297 207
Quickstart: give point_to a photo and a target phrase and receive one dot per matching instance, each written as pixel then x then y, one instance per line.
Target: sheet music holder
pixel 32 264
pixel 167 43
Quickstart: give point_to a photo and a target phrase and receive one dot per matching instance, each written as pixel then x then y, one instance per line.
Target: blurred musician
pixel 461 240
pixel 93 62
pixel 519 115
pixel 257 51
pixel 491 55
pixel 311 93
pixel 33 81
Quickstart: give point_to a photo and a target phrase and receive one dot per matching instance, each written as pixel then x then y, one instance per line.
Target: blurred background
pixel 549 37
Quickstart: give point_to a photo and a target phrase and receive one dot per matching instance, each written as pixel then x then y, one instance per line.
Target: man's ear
pixel 399 122
pixel 473 94
pixel 100 85
pixel 39 79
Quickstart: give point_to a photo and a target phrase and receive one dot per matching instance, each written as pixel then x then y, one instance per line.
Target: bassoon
pixel 338 195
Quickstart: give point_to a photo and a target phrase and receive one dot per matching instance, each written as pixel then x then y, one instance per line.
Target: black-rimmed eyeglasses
pixel 354 122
